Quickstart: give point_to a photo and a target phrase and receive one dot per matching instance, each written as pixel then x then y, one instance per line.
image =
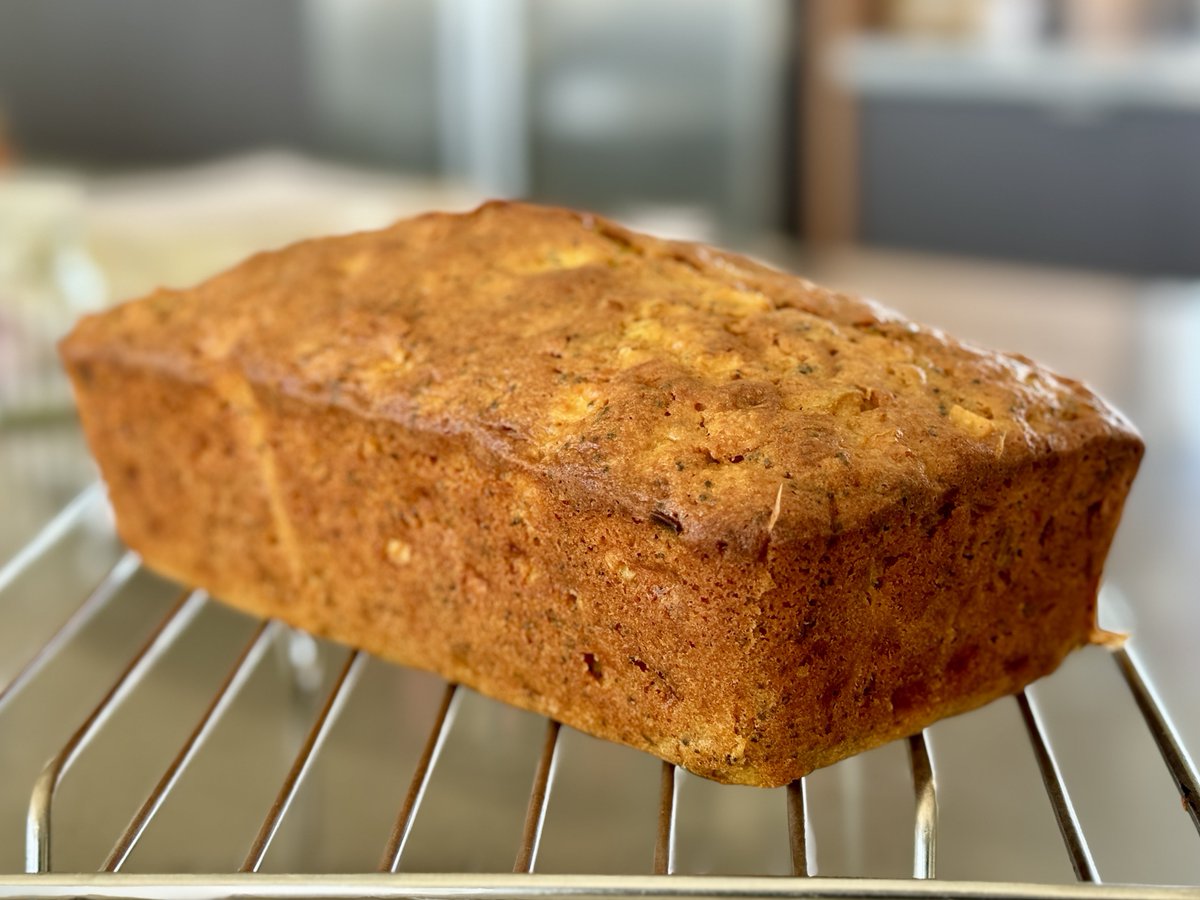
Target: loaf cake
pixel 661 493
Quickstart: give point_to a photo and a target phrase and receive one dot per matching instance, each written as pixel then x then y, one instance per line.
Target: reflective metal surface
pixel 1056 788
pixel 37 830
pixel 925 838
pixel 578 887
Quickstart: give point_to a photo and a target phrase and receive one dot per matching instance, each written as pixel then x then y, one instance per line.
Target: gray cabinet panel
pixel 1116 189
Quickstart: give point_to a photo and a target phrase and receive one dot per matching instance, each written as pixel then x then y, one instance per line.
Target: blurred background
pixel 1024 173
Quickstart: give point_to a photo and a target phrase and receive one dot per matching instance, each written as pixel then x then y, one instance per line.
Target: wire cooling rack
pixel 40 879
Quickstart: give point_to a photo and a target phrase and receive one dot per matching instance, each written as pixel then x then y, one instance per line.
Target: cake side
pixel 534 591
pixel 945 603
pixel 645 488
pixel 423 549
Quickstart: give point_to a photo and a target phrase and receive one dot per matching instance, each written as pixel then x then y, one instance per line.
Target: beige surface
pixel 1134 342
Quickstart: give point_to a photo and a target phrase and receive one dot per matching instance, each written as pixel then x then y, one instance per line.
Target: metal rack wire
pixel 40 880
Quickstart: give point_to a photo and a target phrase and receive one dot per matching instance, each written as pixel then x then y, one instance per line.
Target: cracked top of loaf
pixel 710 394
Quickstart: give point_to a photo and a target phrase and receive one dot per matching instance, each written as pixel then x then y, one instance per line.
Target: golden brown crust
pixel 663 493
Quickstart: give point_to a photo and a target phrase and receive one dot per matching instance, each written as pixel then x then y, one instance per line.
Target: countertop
pixel 1137 342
